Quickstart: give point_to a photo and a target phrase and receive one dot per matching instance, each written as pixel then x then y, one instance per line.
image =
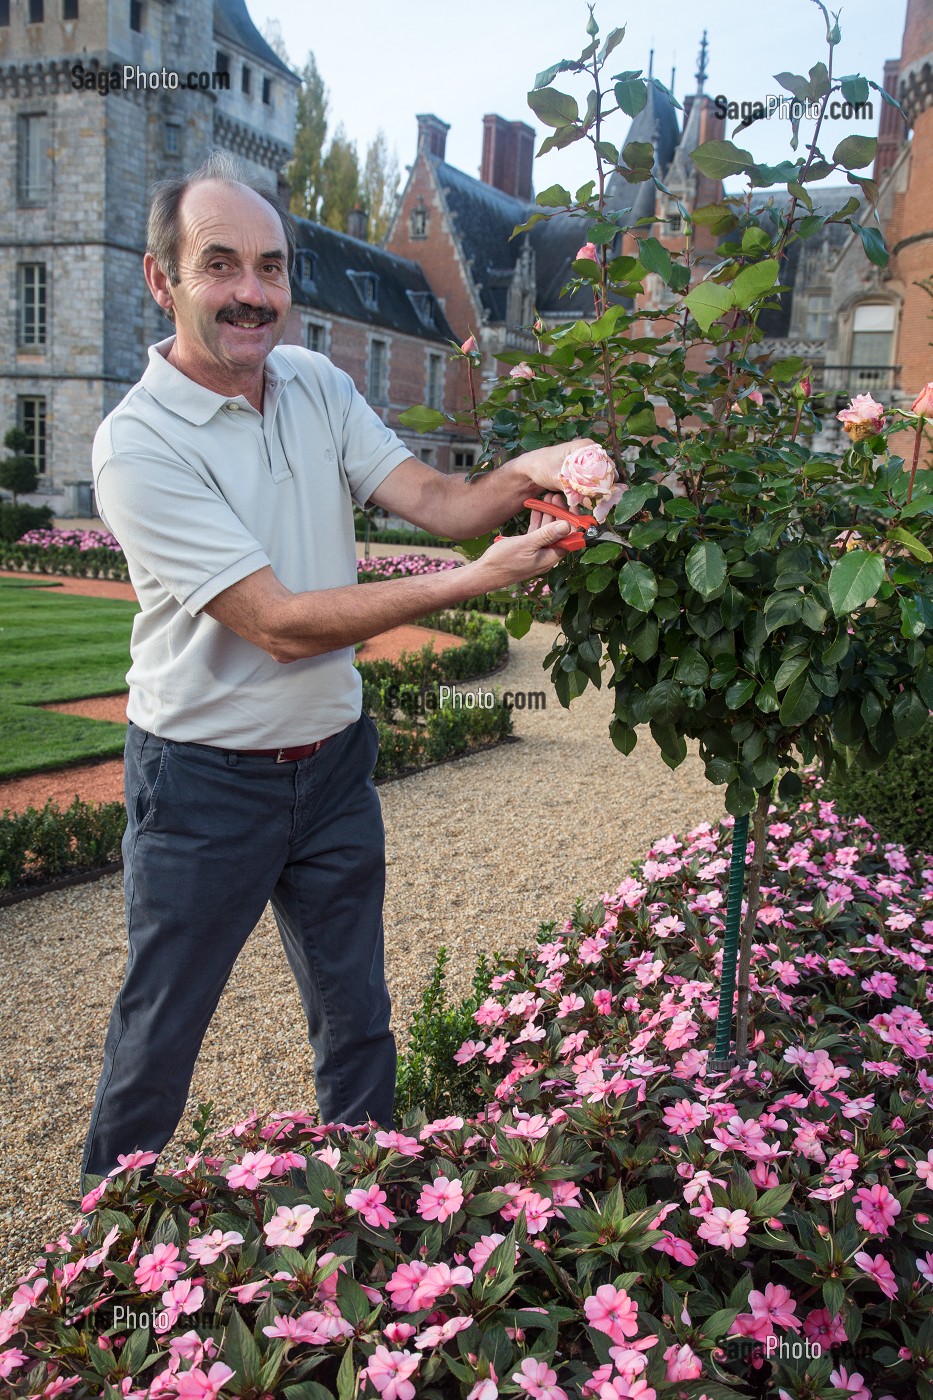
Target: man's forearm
pixel 471 508
pixel 309 624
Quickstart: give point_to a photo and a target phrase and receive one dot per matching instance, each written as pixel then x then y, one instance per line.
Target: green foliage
pixel 15 520
pixel 428 1079
pixel 898 798
pixel 41 844
pixel 18 473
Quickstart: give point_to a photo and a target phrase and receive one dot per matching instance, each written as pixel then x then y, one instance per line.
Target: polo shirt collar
pixel 192 401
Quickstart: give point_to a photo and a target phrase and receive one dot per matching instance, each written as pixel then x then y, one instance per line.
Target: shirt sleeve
pixel 371 450
pixel 174 526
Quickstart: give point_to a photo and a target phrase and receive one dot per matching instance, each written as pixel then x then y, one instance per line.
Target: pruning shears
pixel 587 529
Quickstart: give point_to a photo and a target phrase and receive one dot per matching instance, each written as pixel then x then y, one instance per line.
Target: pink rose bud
pixel 756 396
pixel 863 418
pixel 468 346
pixel 588 251
pixel 588 477
pixel 923 403
pixel 806 388
pixel 522 371
pixel 539 327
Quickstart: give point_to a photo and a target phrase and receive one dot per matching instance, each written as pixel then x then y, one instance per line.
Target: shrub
pixel 897 798
pixel 613 1220
pixel 428 1078
pixel 42 843
pixel 15 520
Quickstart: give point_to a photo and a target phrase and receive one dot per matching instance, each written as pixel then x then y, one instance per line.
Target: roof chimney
pixel 508 154
pixel 432 135
pixel 357 223
pixel 891 130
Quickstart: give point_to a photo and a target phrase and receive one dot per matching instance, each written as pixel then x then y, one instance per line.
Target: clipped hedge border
pixel 40 846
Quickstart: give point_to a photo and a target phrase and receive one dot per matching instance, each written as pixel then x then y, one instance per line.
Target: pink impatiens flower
pixel 371 1206
pixel 253 1169
pixel 289 1225
pixel 199 1385
pixel 683 1364
pixel 159 1268
pixel 538 1380
pixel 612 1311
pixel 725 1227
pixel 389 1372
pixel 880 1270
pixel 440 1201
pixel 207 1249
pixel 878 1209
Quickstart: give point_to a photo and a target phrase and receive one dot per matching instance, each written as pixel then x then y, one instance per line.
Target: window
pixel 464 461
pixel 435 380
pixel 367 286
pixel 377 371
pixel 817 321
pixel 426 455
pixel 424 305
pixel 136 16
pixel 33 158
pixel 69 9
pixel 267 91
pixel 316 337
pixel 246 79
pixel 172 139
pixel 419 221
pixel 304 269
pixel 31 414
pixel 872 332
pixel 36 12
pixel 222 62
pixel 32 302
pixel 4 13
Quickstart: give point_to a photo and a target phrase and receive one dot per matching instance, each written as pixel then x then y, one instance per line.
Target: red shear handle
pixel 569 543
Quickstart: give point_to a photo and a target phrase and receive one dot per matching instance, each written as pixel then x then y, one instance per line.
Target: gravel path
pixel 480 850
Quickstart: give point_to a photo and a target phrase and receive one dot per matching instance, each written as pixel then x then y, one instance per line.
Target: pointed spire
pixel 702 70
pixel 673 77
pixel 651 64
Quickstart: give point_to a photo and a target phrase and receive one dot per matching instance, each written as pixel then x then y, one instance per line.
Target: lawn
pixel 58 647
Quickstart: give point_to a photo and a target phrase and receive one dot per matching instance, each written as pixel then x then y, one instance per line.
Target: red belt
pixel 291 755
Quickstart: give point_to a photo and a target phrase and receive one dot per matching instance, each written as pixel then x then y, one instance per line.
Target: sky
pixel 384 63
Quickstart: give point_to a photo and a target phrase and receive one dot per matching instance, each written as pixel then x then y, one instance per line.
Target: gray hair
pixel 163 232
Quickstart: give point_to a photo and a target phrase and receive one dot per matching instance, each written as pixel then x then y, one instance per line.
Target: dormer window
pixel 304 269
pixel 367 286
pixel 419 221
pixel 424 305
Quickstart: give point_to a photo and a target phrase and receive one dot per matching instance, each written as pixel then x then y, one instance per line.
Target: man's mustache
pixel 261 315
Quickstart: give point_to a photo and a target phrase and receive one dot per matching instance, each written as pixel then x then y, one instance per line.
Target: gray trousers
pixel 211 837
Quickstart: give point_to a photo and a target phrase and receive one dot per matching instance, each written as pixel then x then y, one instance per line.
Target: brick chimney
pixel 891 130
pixel 432 135
pixel 357 223
pixel 508 154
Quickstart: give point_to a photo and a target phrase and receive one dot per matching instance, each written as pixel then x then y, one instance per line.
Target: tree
pixel 272 33
pixel 18 473
pixel 305 171
pixel 380 185
pixel 340 181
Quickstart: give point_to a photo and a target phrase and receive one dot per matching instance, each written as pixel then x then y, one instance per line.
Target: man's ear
pixel 159 285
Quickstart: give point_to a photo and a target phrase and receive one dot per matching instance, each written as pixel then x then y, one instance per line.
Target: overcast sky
pixel 383 62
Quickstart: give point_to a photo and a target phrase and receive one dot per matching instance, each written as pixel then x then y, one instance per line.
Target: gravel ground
pixel 480 851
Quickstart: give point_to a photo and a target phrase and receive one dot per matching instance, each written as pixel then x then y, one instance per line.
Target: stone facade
pixel 75 169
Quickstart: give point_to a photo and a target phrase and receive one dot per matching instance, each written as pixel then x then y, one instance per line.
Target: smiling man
pixel 228 474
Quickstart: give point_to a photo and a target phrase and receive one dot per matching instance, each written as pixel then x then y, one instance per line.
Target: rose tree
pixel 767 598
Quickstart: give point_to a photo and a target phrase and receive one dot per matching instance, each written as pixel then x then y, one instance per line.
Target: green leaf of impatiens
pixel 854 152
pixel 706 568
pixel 719 159
pixel 422 419
pixel 552 107
pixel 707 302
pixel 631 95
pixel 854 579
pixel 752 282
pixel 638 586
pixel 800 702
pixel 655 258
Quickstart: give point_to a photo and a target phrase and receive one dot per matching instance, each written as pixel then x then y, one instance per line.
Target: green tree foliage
pixel 340 181
pixel 305 171
pixel 18 473
pixel 380 185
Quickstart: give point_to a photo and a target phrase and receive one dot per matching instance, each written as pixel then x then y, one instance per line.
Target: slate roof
pixel 484 218
pixel 232 22
pixel 826 200
pixel 656 122
pixel 335 292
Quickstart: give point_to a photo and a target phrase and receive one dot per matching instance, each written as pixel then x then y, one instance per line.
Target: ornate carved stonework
pixel 252 145
pixel 916 87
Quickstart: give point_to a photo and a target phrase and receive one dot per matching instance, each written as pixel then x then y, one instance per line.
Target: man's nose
pixel 248 287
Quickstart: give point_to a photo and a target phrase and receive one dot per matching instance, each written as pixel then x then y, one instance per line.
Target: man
pixel 228 475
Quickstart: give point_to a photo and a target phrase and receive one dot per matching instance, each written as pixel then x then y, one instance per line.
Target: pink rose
pixel 468 346
pixel 756 396
pixel 522 371
pixel 588 477
pixel 863 418
pixel 588 251
pixel 923 403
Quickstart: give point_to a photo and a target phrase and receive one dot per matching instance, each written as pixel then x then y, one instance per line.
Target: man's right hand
pixel 519 557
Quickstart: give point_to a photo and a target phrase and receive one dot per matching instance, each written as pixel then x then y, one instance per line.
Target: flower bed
pixel 614 1220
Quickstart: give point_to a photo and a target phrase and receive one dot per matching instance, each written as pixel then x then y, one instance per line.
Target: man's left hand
pixel 544 463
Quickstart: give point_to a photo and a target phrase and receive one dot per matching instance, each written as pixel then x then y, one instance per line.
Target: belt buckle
pixel 279 758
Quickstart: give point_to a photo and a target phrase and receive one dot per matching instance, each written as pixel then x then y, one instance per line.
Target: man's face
pixel 233 296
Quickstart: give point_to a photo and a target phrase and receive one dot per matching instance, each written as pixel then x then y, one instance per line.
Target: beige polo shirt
pixel 201 490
